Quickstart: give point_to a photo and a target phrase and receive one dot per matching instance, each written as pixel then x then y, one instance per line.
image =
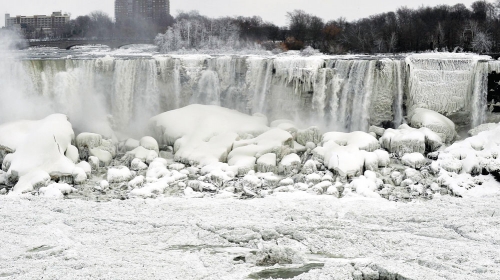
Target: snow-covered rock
pixel 86 167
pixel 40 151
pixel 484 127
pixel 267 163
pixel 138 165
pixel 406 140
pixel 119 174
pixel 275 141
pixel 104 157
pixel 359 139
pixel 434 121
pixel 149 143
pixel 131 144
pixel 72 154
pixel 290 164
pixel 312 134
pixel 88 140
pixel 365 187
pixel 414 160
pixel 204 134
pixel 56 190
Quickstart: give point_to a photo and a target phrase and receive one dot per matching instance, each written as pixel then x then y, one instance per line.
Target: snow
pixel 415 160
pixel 289 164
pixel 149 143
pixel 203 134
pixel 267 163
pixel 436 122
pixel 89 140
pixel 119 174
pixel 245 152
pixel 406 139
pixel 103 156
pixel 85 166
pixel 131 144
pixel 457 235
pixel 40 151
pixel 72 154
pixel 143 154
pixel 359 139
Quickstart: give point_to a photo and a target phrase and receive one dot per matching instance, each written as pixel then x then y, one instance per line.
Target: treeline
pixel 445 28
pixel 192 31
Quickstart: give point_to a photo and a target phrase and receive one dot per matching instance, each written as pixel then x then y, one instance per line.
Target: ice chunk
pixel 56 190
pixel 309 167
pixel 94 162
pixel 346 161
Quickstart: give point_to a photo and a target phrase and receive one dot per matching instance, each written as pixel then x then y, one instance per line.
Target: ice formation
pixel 340 93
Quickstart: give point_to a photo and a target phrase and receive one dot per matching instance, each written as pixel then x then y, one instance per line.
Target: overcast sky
pixel 269 10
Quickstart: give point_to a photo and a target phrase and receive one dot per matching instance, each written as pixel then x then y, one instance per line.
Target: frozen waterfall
pixel 334 93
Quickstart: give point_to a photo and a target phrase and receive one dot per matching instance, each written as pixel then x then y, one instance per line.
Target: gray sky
pixel 269 10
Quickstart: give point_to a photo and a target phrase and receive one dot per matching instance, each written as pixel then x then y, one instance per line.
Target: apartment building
pixel 47 23
pixel 151 10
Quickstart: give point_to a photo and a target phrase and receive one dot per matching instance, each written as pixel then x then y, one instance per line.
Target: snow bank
pixel 204 134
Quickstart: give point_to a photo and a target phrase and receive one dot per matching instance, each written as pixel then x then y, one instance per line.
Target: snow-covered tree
pixel 200 33
pixel 481 42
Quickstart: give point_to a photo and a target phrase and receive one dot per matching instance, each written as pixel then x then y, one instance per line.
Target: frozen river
pixel 176 238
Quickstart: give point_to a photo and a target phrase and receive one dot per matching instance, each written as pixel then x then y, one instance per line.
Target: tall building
pixel 37 22
pixel 151 10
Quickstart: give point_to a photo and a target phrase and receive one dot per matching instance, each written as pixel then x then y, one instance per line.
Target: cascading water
pixel 334 93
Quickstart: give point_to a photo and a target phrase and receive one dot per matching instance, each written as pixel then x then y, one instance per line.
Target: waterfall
pixel 479 94
pixel 333 93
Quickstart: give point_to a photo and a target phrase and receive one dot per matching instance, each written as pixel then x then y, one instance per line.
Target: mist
pixel 30 95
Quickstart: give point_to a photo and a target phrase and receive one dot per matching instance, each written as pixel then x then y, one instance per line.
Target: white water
pixel 102 94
